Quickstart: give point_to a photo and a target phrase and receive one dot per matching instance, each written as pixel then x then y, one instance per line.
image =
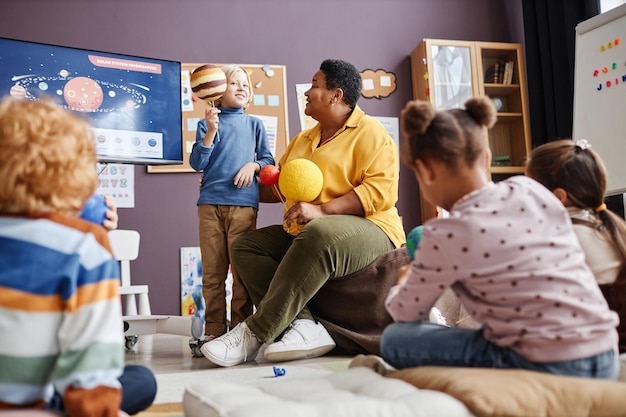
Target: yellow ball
pixel 301 180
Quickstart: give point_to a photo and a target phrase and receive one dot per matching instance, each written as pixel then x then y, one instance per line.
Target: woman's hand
pixel 302 213
pixel 112 217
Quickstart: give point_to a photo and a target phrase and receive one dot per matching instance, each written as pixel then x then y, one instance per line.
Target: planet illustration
pixel 80 93
pixel 18 91
pixel 83 94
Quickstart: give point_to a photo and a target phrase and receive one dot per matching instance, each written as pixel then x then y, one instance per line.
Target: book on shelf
pixel 492 74
pixel 501 161
pixel 508 72
pixel 500 72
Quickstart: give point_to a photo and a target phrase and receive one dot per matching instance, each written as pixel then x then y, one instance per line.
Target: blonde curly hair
pixel 47 158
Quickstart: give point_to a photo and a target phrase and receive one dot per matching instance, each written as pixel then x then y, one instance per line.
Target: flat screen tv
pixel 133 103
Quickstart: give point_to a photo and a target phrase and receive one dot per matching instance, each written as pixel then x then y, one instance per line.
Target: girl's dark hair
pixel 581 173
pixel 342 74
pixel 449 136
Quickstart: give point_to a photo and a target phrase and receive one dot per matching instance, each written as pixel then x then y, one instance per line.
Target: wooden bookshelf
pixel 448 72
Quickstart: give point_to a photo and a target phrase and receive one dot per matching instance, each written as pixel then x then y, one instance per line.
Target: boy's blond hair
pixel 47 158
pixel 229 70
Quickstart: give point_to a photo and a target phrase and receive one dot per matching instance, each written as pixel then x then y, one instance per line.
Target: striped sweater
pixel 60 315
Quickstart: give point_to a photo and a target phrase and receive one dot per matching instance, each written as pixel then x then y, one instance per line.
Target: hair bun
pixel 483 110
pixel 417 116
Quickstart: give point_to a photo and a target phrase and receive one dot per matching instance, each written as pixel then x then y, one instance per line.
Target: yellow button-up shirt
pixel 362 157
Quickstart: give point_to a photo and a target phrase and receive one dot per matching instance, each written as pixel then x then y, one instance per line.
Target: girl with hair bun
pixel 509 252
pixel 576 175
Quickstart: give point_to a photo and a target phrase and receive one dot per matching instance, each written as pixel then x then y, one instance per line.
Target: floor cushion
pixel 352 308
pixel 521 393
pixel 356 392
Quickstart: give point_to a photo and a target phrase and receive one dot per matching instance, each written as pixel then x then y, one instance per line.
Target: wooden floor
pixel 165 354
pixel 171 354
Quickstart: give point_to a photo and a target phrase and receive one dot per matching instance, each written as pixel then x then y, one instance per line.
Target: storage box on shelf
pixel 448 72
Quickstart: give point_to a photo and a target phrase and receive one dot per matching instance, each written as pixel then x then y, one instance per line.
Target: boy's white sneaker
pixel 237 346
pixel 303 339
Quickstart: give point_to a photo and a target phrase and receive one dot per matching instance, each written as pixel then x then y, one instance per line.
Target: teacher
pixel 350 223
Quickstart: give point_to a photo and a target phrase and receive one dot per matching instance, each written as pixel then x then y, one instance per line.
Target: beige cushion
pixel 356 392
pixel 520 393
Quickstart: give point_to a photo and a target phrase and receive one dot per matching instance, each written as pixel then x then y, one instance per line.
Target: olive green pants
pixel 283 272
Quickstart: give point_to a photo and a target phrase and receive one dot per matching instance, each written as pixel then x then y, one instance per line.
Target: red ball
pixel 269 175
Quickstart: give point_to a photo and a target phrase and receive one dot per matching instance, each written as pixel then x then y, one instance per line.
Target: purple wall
pixel 298 34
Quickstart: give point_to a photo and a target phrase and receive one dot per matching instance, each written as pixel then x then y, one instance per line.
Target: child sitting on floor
pixel 576 175
pixel 61 333
pixel 508 251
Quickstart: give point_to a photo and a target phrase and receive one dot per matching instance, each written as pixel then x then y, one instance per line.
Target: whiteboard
pixel 600 91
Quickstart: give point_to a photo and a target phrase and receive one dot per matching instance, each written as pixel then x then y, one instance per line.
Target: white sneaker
pixel 303 339
pixel 237 346
pixel 435 316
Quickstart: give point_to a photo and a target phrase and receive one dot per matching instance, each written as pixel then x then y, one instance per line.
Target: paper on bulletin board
pixel 118 181
pixel 186 95
pixel 271 128
pixel 306 122
pixel 392 125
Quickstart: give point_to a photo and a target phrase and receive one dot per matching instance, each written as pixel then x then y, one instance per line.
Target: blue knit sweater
pixel 240 139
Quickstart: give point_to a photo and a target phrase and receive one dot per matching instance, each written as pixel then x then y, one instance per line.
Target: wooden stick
pixel 280 196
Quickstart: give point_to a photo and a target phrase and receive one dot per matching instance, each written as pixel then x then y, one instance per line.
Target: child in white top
pixel 576 175
pixel 507 250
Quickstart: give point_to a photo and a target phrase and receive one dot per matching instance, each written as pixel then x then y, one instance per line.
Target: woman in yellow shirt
pixel 350 223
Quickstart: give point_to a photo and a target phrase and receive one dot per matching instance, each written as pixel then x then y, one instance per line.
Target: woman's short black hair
pixel 342 74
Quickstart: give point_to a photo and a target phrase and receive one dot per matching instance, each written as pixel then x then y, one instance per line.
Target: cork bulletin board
pixel 269 83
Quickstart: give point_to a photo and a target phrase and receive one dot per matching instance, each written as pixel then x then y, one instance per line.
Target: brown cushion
pixel 453 311
pixel 520 393
pixel 352 307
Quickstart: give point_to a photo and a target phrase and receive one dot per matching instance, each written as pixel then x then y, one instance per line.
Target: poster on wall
pixel 118 181
pixel 306 122
pixel 392 125
pixel 192 302
pixel 271 127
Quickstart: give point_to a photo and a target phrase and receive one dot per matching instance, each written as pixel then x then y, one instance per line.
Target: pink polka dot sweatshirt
pixel 510 253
